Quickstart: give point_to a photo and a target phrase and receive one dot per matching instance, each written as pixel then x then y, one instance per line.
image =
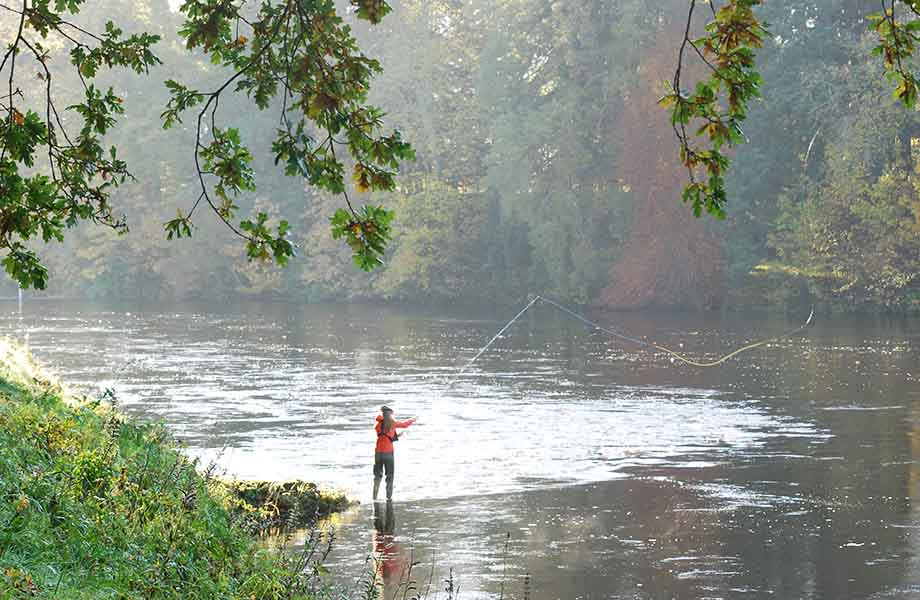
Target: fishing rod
pixel 453 380
pixel 659 347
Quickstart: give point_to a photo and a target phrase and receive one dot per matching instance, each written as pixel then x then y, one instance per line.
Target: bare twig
pixel 11 55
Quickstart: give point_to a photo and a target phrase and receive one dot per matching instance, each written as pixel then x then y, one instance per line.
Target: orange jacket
pixel 385 441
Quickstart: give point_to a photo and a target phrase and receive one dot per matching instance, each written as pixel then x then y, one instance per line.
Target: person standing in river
pixel 383 454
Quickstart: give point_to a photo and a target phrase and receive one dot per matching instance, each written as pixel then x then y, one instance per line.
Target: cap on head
pixel 386 409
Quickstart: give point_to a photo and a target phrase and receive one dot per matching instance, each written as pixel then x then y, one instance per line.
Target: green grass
pixel 95 506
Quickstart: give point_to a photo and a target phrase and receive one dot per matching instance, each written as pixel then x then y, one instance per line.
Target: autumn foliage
pixel 670 258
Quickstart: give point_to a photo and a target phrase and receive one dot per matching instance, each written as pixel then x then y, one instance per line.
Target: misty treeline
pixel 544 165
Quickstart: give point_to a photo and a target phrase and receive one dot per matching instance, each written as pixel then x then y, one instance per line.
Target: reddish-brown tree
pixel 670 258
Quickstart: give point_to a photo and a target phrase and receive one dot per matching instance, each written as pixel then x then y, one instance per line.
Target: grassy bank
pixel 96 506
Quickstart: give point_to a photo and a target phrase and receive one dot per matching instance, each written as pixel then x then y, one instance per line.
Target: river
pixel 595 468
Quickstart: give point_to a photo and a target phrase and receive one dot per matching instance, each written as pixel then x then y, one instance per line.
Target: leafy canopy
pixel 52 178
pixel 718 105
pixel 297 58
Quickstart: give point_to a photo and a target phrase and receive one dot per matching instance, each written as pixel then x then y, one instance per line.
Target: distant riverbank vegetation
pixel 545 165
pixel 93 505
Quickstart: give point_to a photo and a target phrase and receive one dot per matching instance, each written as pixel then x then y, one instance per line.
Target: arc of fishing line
pixel 677 355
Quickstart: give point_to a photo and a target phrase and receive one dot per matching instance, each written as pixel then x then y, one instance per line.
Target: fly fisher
pixel 387 433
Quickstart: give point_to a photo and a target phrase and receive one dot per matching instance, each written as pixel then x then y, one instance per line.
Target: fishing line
pixel 677 355
pixel 469 363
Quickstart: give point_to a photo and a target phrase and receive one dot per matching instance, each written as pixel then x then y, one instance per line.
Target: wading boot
pixel 376 487
pixel 389 488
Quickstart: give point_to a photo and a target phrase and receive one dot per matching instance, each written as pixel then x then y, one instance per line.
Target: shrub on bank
pixel 95 506
pixel 282 503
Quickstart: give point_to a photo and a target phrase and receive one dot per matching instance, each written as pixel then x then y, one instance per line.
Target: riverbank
pixel 768 289
pixel 95 505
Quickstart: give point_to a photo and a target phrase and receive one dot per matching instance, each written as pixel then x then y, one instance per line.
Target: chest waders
pixel 384 461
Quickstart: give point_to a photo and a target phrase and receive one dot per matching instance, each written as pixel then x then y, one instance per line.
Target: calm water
pixel 789 472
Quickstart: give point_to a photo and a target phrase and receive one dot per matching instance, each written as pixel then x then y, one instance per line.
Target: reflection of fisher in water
pixel 392 559
pixel 383 453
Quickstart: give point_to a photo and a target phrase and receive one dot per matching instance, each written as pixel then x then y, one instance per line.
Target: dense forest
pixel 544 165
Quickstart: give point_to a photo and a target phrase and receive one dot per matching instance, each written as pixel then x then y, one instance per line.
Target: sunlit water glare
pixel 254 398
pixel 791 472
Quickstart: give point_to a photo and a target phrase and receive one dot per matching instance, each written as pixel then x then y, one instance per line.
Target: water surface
pixel 789 472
